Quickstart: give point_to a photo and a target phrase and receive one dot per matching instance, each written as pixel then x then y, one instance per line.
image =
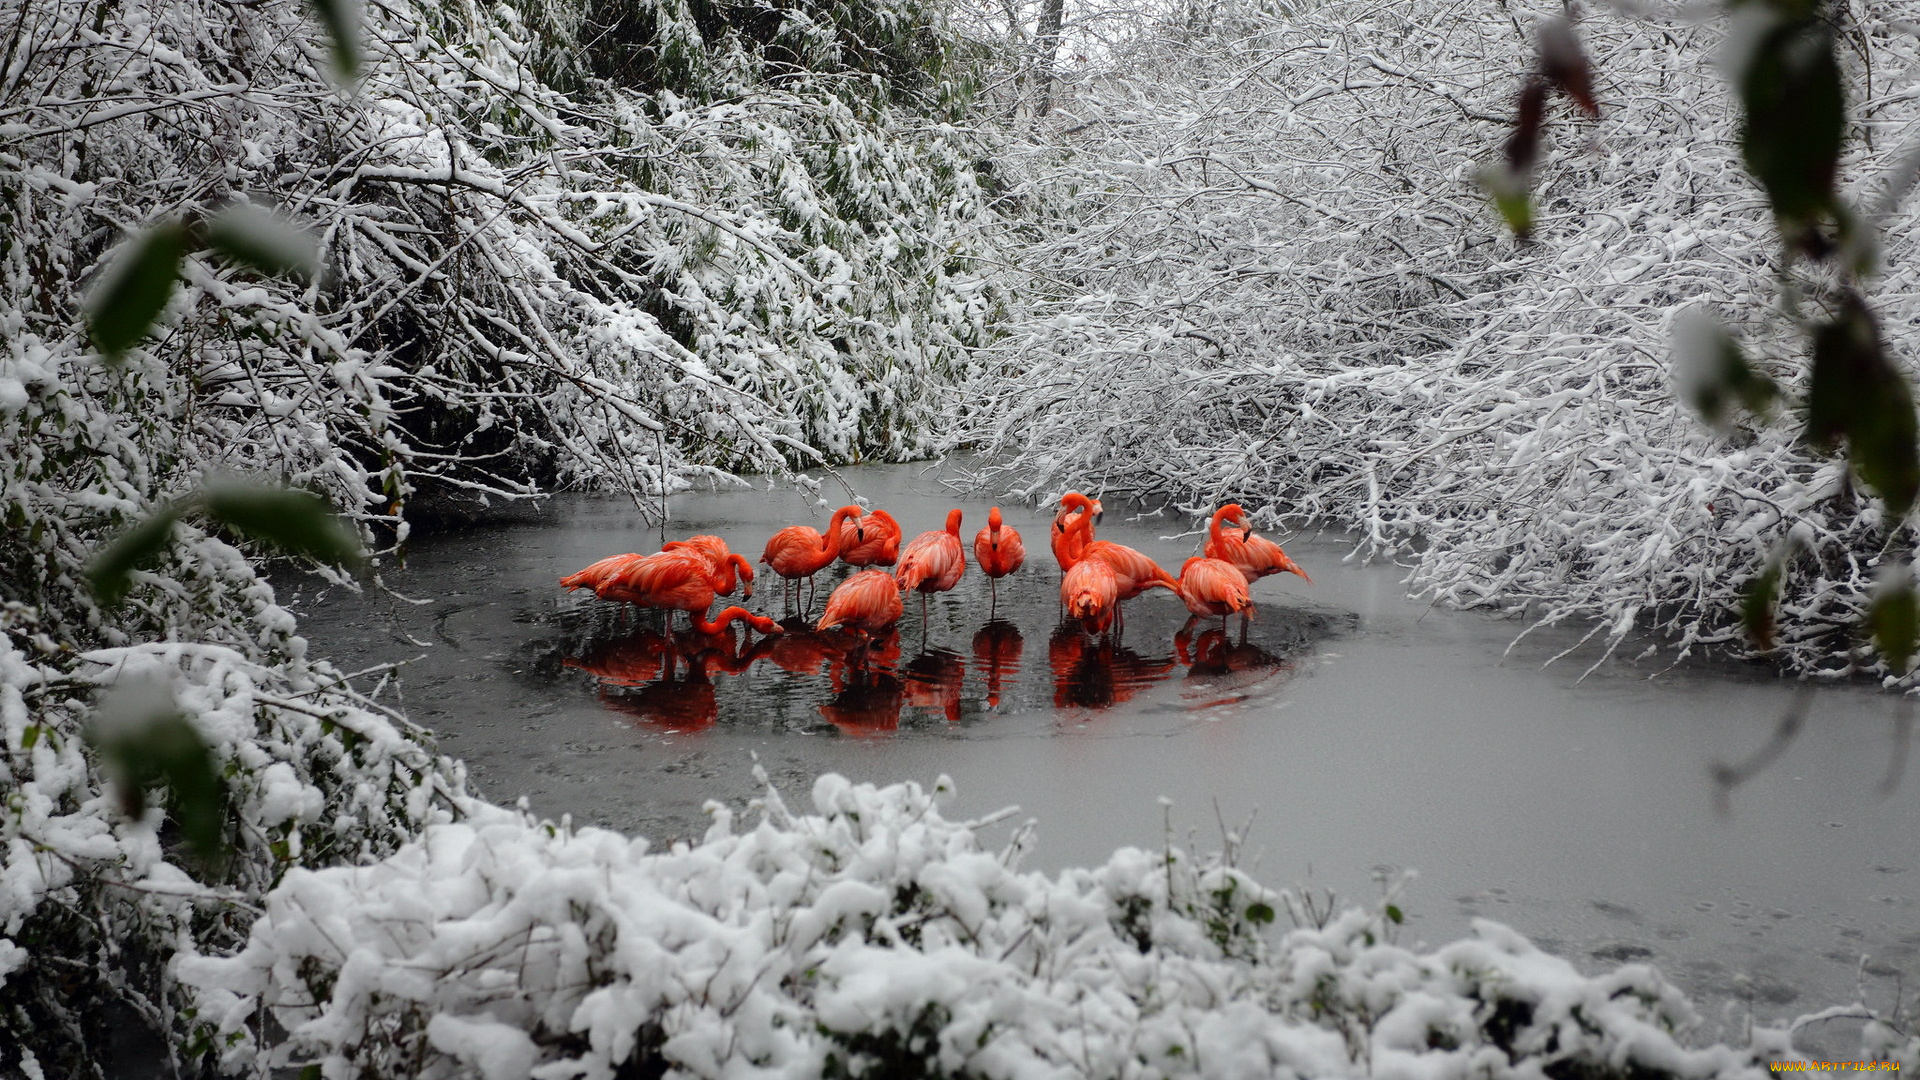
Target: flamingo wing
pixel 1213 587
pixel 869 600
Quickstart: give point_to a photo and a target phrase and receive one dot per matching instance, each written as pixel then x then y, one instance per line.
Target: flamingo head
pixel 953 521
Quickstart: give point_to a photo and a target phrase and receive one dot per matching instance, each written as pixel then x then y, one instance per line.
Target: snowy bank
pixel 874 937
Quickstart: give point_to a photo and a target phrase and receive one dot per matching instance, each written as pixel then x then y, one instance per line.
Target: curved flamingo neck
pixel 953 522
pixel 831 546
pixel 1231 510
pixel 729 615
pixel 993 524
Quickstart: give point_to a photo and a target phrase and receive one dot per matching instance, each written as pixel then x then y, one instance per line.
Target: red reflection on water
pixel 676 670
pixel 1092 672
pixel 933 681
pixel 1221 671
pixel 868 704
pixel 996 654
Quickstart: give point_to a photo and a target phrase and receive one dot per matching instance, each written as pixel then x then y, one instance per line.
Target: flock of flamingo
pixel 1097 575
pixel 856 632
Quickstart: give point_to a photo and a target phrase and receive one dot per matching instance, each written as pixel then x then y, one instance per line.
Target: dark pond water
pixel 1363 734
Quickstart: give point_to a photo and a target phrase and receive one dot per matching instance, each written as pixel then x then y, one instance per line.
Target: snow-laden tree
pixel 618 245
pixel 1275 280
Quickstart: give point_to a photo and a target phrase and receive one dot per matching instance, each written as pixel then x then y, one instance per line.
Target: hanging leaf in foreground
pixel 110 572
pixel 1562 66
pixel 1894 619
pixel 135 290
pixel 290 521
pixel 1712 374
pixel 1855 393
pixel 146 741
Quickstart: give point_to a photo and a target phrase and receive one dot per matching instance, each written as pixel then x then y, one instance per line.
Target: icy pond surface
pixel 1363 734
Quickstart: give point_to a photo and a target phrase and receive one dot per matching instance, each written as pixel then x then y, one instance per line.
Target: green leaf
pixel 1757 616
pixel 1855 391
pixel 110 572
pixel 263 241
pixel 1793 121
pixel 146 742
pixel 1260 913
pixel 1894 618
pixel 1395 915
pixel 130 297
pixel 1712 374
pixel 1508 189
pixel 291 521
pixel 342 20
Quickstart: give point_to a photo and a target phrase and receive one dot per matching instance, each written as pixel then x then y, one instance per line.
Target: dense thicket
pixel 1275 279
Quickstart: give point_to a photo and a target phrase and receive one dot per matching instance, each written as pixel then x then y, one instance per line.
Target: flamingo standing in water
pixel 1091 593
pixel 801 551
pixel 1254 556
pixel 869 602
pixel 677 580
pixel 1064 537
pixel 999 551
pixel 873 540
pixel 716 552
pixel 1213 587
pixel 1134 572
pixel 933 563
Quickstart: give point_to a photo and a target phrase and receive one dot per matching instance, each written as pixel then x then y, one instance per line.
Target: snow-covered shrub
pixel 873 937
pixel 1277 282
pixel 738 264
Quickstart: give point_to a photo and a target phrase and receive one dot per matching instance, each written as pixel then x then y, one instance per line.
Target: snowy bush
pixel 1277 282
pixel 542 269
pixel 873 937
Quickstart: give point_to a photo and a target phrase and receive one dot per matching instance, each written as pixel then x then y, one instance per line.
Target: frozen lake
pixel 1363 733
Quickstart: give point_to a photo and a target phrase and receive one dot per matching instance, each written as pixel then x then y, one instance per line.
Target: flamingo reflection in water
pixel 663 695
pixel 996 655
pixel 868 705
pixel 1221 671
pixel 1095 673
pixel 933 680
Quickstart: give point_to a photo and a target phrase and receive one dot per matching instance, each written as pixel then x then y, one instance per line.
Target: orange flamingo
pixel 1254 556
pixel 726 561
pixel 677 580
pixel 873 540
pixel 1213 587
pixel 868 601
pixel 933 562
pixel 1065 539
pixel 1134 571
pixel 1091 592
pixel 999 551
pixel 801 551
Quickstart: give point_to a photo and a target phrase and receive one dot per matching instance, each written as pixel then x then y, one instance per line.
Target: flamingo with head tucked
pixel 872 540
pixel 1254 556
pixel 933 562
pixel 726 561
pixel 869 602
pixel 1091 593
pixel 1134 572
pixel 801 551
pixel 1064 537
pixel 999 551
pixel 1213 587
